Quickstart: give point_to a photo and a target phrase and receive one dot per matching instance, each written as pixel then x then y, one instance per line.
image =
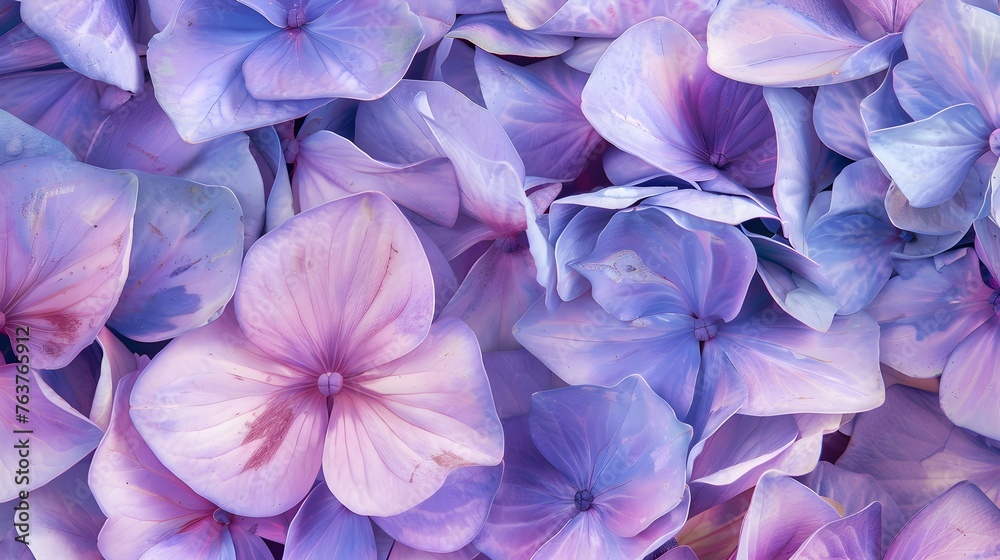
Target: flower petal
pixel 962 521
pixel 782 515
pixel 915 453
pixel 929 159
pixel 748 41
pixel 452 516
pixel 93 38
pixel 495 294
pixel 340 288
pixel 539 108
pixel 60 436
pixel 398 430
pixel 622 443
pixel 323 526
pixel 854 536
pixel 232 421
pixel 534 503
pixel 329 167
pixel 68 237
pixel 494 33
pixel 22 141
pixel 139 135
pixel 352 49
pixel 185 258
pixel 969 395
pixel 207 97
pixel 65 518
pixel 581 343
pixel 624 96
pixel 790 368
pixel 928 309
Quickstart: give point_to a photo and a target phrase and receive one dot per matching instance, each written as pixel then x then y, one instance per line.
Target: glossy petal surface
pixel 66 253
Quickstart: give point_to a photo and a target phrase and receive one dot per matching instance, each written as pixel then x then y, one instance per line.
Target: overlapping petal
pixel 68 234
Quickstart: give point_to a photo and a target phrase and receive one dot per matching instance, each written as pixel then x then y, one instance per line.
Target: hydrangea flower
pixel 328 357
pixel 590 472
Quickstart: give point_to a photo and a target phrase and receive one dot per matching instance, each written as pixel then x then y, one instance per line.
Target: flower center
pixel 330 383
pixel 222 516
pixel 995 142
pixel 3 320
pixel 296 17
pixel 995 300
pixel 704 330
pixel 583 499
pixel 718 160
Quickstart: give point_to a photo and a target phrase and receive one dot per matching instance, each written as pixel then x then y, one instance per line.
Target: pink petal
pixel 240 428
pixel 69 234
pixel 340 288
pixel 398 430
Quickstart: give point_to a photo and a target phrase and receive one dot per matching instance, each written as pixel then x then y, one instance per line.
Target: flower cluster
pixel 499 279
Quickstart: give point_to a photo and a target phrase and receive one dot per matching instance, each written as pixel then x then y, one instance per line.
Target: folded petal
pixel 329 167
pixel 953 215
pixel 854 536
pixel 782 515
pixel 577 17
pixel 68 236
pixel 915 453
pixel 237 426
pixel 930 159
pixel 452 516
pixel 928 309
pixel 399 429
pixel 323 526
pixel 490 172
pixel 494 33
pixel 59 435
pixel 749 41
pixel 962 521
pixel 339 288
pixel 717 207
pixel 186 255
pixel 791 278
pixel 539 108
pixel 93 38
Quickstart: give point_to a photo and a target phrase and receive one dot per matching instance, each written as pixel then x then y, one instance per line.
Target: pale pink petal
pixel 398 430
pixel 67 250
pixel 237 426
pixel 340 288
